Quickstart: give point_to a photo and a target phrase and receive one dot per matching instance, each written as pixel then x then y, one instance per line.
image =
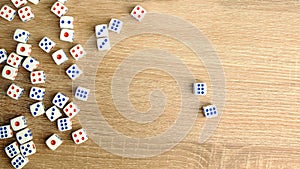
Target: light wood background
pixel 258 42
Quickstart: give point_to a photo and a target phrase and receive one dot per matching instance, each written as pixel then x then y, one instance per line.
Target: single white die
pixel 24 136
pixel 14 60
pixel 26 14
pixel 53 113
pixel 35 2
pixel 77 52
pixel 54 142
pixel 62 1
pixel 59 57
pixel 79 136
pixel 28 149
pixel 82 93
pixel 200 89
pixel 138 13
pixel 37 109
pixel 30 64
pixel 14 91
pixel 115 25
pixel 37 93
pixel 103 44
pixel 8 13
pixel 24 49
pixel 9 72
pixel 12 150
pixel 47 44
pixel 37 77
pixel 67 35
pixel 6 132
pixel 19 162
pixel 3 55
pixel 59 9
pixel 66 22
pixel 18 123
pixel 64 124
pixel 21 35
pixel 19 3
pixel 101 31
pixel 60 100
pixel 210 111
pixel 71 110
pixel 73 72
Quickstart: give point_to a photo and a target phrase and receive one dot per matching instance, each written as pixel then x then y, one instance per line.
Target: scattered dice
pixel 35 2
pixel 24 136
pixel 73 72
pixel 101 31
pixel 59 57
pixel 77 52
pixel 37 93
pixel 12 150
pixel 30 64
pixel 21 35
pixel 37 109
pixel 19 162
pixel 64 124
pixel 6 132
pixel 103 44
pixel 19 3
pixel 47 44
pixel 54 142
pixel 60 100
pixel 14 91
pixel 115 25
pixel 210 111
pixel 200 89
pixel 67 35
pixel 14 60
pixel 37 77
pixel 53 113
pixel 26 14
pixel 9 73
pixel 138 13
pixel 18 123
pixel 28 149
pixel 79 136
pixel 66 22
pixel 8 13
pixel 71 110
pixel 59 9
pixel 82 93
pixel 3 55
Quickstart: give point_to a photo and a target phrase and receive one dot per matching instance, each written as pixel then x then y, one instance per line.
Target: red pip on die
pixel 79 136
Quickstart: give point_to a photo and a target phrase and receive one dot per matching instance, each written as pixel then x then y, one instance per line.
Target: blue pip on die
pixel 3 55
pixel 82 93
pixel 37 109
pixel 24 136
pixel 6 132
pixel 12 150
pixel 73 72
pixel 200 89
pixel 46 44
pixel 64 124
pixel 21 35
pixel 19 161
pixel 37 93
pixel 210 111
pixel 60 100
pixel 101 31
pixel 115 25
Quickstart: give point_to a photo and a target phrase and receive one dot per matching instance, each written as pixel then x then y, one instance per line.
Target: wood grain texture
pixel 258 45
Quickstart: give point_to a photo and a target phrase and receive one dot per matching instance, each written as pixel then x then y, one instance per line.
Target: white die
pixel 12 150
pixel 3 55
pixel 54 142
pixel 115 25
pixel 14 60
pixel 82 93
pixel 210 111
pixel 18 123
pixel 28 149
pixel 103 44
pixel 60 100
pixel 64 124
pixel 21 35
pixel 19 162
pixel 30 64
pixel 53 113
pixel 73 72
pixel 59 57
pixel 62 1
pixel 47 44
pixel 26 14
pixel 138 13
pixel 37 93
pixel 79 136
pixel 14 91
pixel 6 132
pixel 66 22
pixel 37 109
pixel 19 3
pixel 59 9
pixel 101 31
pixel 7 13
pixel 24 136
pixel 37 77
pixel 71 110
pixel 67 35
pixel 200 89
pixel 24 49
pixel 77 52
pixel 35 2
pixel 9 72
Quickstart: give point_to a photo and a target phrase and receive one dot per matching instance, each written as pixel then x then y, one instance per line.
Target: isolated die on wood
pixel 77 52
pixel 71 110
pixel 30 64
pixel 9 72
pixel 14 91
pixel 37 93
pixel 21 35
pixel 60 100
pixel 6 132
pixel 19 3
pixel 64 124
pixel 35 2
pixel 3 55
pixel 37 109
pixel 19 162
pixel 26 14
pixel 24 49
pixel 210 111
pixel 37 77
pixel 53 113
pixel 82 93
pixel 28 149
pixel 101 31
pixel 14 60
pixel 200 89
pixel 67 35
pixel 103 44
pixel 115 25
pixel 66 22
pixel 12 150
pixel 54 142
pixel 59 57
pixel 138 13
pixel 79 136
pixel 73 72
pixel 59 9
pixel 8 13
pixel 47 44
pixel 24 136
pixel 18 123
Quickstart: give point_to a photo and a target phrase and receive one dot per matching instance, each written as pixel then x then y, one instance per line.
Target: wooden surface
pixel 258 45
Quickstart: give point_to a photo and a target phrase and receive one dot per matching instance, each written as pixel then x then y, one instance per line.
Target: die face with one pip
pixel 37 109
pixel 24 49
pixel 24 136
pixel 73 72
pixel 18 123
pixel 9 72
pixel 21 35
pixel 103 44
pixel 6 132
pixel 26 14
pixel 14 60
pixel 79 136
pixel 14 91
pixel 37 77
pixel 77 52
pixel 59 9
pixel 3 55
pixel 210 111
pixel 71 110
pixel 19 3
pixel 54 142
pixel 60 100
pixel 115 25
pixel 53 113
pixel 138 13
pixel 30 64
pixel 67 35
pixel 37 93
pixel 19 162
pixel 82 93
pixel 66 22
pixel 59 57
pixel 12 150
pixel 101 31
pixel 64 124
pixel 28 149
pixel 35 2
pixel 8 13
pixel 200 89
pixel 46 44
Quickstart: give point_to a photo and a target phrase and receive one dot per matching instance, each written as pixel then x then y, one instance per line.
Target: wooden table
pixel 258 45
